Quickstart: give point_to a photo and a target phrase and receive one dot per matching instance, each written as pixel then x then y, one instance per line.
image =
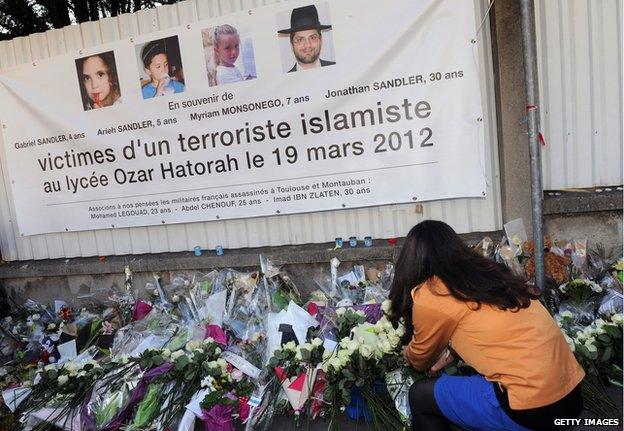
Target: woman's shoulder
pixel 434 293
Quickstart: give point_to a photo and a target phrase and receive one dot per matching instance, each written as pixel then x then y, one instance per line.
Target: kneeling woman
pixel 454 301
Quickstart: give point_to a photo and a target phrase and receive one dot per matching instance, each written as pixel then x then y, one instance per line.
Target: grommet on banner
pixel 344 206
pixel 219 250
pixel 353 241
pixel 479 120
pixel 368 241
pixel 197 250
pixel 278 211
pixel 112 225
pixel 162 221
pixel 338 242
pixel 414 198
pixel 218 217
pixel 188 26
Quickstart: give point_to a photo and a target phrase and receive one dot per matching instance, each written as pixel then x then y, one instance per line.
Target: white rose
pixel 306 346
pixel 617 318
pixel 298 355
pixel 255 337
pixel 366 351
pixel 35 316
pixel 596 287
pixel 193 345
pixel 335 363
pixel 360 313
pixel 208 341
pixel 82 373
pixel 178 353
pixel 222 363
pixel 317 342
pixel 62 380
pixel 166 353
pixel 386 306
pixel 50 367
pixel 213 364
pixel 51 327
pixel 290 346
pixel 340 311
pixel 218 350
pixel 326 355
pixel 566 314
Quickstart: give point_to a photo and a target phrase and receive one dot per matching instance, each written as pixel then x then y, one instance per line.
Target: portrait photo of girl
pixel 99 85
pixel 160 67
pixel 229 55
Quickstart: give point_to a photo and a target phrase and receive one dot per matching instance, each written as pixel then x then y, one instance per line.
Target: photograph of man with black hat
pixel 306 38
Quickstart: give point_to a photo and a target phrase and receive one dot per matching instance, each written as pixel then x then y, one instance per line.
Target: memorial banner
pixel 288 108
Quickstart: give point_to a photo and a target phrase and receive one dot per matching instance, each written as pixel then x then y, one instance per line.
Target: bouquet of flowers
pixel 356 371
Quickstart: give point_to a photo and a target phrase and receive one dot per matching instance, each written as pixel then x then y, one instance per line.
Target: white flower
pixel 124 359
pixel 386 306
pixel 360 313
pixel 218 350
pixel 213 364
pixel 595 287
pixel 81 373
pixel 62 380
pixel 290 346
pixel 222 363
pixel 591 347
pixel 166 353
pixel 326 355
pixel 366 351
pixel 207 382
pixel 208 341
pixel 50 367
pixel 298 355
pixel 35 316
pixel 175 298
pixel 51 327
pixel 340 311
pixel 317 342
pixel 617 319
pixel 335 363
pixel 178 353
pixel 254 337
pixel 566 314
pixel 193 345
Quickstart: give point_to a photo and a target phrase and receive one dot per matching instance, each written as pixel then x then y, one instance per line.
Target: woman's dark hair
pixel 433 248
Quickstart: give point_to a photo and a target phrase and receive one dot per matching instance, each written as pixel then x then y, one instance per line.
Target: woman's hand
pixel 443 360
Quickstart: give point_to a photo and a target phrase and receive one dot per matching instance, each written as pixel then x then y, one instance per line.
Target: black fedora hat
pixel 304 18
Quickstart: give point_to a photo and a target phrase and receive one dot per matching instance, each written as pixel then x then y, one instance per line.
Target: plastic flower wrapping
pixel 232 349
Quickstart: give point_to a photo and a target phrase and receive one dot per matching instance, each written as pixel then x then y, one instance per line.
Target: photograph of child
pixel 160 67
pixel 305 38
pixel 229 55
pixel 99 85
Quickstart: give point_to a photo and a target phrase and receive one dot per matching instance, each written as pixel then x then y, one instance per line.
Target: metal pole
pixel 532 101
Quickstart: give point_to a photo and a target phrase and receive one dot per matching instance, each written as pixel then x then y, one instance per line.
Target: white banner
pixel 288 108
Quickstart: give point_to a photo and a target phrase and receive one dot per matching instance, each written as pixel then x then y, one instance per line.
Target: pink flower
pixel 237 375
pixel 107 328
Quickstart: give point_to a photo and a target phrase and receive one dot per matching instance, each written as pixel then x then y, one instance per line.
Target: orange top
pixel 524 351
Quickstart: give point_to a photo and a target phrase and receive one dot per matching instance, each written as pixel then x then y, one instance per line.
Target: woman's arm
pixel 432 333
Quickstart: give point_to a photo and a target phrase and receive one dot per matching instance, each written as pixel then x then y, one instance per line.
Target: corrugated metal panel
pixel 465 215
pixel 579 45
